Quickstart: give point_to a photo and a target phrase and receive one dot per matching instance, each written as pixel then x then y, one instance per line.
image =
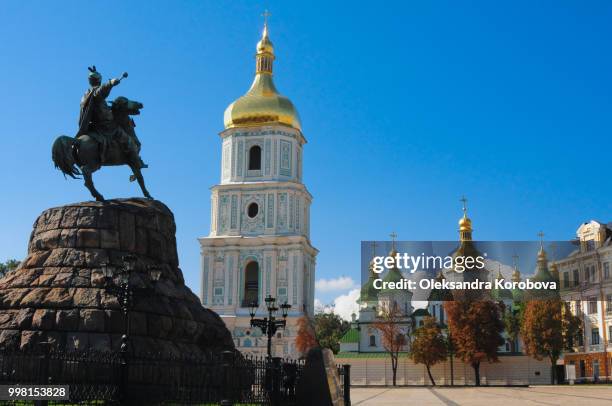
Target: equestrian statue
pixel 105 137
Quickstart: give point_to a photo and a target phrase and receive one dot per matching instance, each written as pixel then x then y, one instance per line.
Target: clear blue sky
pixel 406 107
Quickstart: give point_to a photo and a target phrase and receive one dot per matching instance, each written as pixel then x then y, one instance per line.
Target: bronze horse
pixel 76 156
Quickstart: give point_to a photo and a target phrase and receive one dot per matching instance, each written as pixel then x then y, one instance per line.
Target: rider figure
pixel 97 117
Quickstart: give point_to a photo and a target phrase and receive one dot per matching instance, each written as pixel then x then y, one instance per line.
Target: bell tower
pixel 259 240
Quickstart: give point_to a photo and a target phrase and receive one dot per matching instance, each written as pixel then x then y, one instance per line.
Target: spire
pixel 516 275
pixel 465 224
pixel 542 272
pixel 265 49
pixel 499 273
pixel 541 253
pixel 262 104
pixel 393 236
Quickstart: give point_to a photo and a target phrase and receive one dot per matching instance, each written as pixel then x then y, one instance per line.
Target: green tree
pixel 9 265
pixel 330 328
pixel 429 346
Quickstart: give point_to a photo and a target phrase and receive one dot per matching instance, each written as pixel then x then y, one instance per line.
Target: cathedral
pixel 259 241
pixel 364 337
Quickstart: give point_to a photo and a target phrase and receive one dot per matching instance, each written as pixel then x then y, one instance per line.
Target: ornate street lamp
pixel 124 291
pixel 269 325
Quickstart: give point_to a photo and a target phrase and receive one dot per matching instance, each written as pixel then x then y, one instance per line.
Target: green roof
pixel 368 292
pixel 351 336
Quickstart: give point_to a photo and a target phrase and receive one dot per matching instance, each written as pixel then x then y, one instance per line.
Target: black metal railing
pixel 104 378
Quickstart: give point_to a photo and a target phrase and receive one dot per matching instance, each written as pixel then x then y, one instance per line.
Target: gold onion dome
pixel 516 275
pixel 465 224
pixel 541 254
pixel 262 104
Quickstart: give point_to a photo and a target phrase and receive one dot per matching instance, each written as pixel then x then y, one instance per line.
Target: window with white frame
pixel 594 336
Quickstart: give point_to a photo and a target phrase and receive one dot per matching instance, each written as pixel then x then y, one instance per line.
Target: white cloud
pixel 319 307
pixel 343 306
pixel 335 284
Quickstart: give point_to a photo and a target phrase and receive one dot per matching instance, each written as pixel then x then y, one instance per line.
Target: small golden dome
pixel 264 44
pixel 465 224
pixel 541 254
pixel 262 104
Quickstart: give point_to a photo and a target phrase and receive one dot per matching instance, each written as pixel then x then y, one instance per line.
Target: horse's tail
pixel 63 158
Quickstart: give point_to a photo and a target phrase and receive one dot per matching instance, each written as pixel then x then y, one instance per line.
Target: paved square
pixel 486 396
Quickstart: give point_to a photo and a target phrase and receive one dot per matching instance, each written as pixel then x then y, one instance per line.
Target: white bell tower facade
pixel 259 241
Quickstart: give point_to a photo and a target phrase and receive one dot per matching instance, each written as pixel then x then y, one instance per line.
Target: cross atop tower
pixel 464 201
pixel 393 236
pixel 265 15
pixel 541 236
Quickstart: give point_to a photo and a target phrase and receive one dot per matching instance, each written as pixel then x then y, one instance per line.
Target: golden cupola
pixel 465 224
pixel 262 104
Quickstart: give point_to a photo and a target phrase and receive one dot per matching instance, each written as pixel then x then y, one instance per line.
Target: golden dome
pixel 465 224
pixel 542 254
pixel 516 275
pixel 264 44
pixel 262 104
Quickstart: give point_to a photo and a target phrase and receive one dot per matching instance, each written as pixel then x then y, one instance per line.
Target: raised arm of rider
pixel 104 89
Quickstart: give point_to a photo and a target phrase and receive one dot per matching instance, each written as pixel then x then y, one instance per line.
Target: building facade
pixel 259 241
pixel 586 283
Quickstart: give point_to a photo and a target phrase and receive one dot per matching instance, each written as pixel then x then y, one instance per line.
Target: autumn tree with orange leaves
pixel 477 331
pixel 306 338
pixel 543 331
pixel 392 338
pixel 429 346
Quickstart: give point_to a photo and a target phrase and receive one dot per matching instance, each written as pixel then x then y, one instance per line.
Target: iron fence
pixel 104 378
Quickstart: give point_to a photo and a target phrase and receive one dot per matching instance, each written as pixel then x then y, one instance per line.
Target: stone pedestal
pixel 59 294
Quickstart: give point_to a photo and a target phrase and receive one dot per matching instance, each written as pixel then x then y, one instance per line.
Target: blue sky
pixel 406 106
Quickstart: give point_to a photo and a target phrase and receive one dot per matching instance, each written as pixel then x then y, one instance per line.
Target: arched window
pixel 255 158
pixel 372 341
pixel 251 283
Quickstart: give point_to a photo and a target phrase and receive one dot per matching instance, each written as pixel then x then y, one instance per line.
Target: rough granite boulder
pixel 59 294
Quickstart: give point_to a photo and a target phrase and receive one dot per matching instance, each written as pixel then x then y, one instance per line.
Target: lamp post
pixel 124 290
pixel 269 325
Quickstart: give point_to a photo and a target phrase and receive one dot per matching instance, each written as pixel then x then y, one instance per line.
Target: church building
pixel 259 241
